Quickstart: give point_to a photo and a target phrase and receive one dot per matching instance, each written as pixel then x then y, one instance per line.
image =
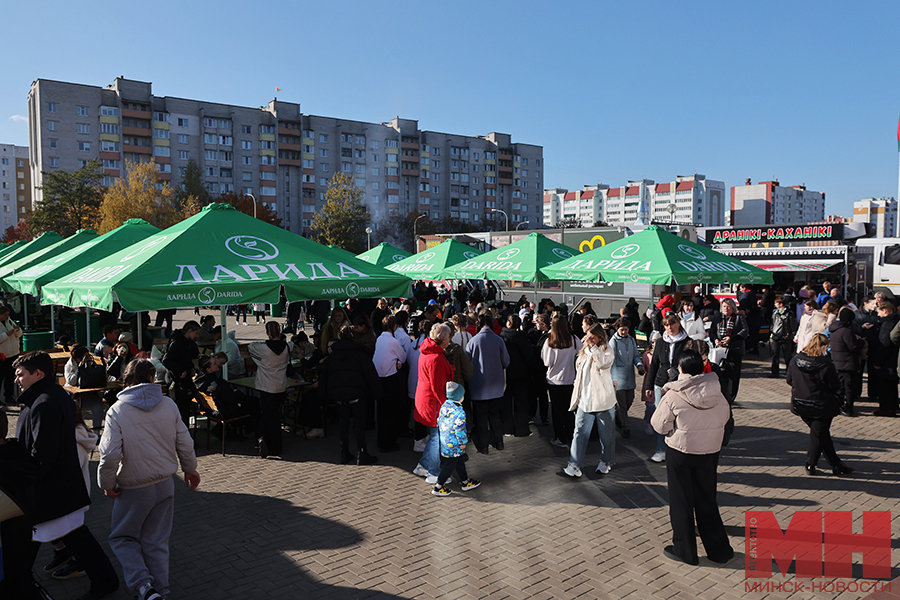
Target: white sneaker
pixel 315 433
pixel 658 457
pixel 572 470
pixel 556 442
pixel 432 479
pixel 604 468
pixel 419 445
pixel 420 471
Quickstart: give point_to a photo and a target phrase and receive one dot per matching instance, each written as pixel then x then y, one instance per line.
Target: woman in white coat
pixel 691 322
pixel 593 399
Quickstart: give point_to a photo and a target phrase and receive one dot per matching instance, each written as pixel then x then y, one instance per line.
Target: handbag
pixel 91 375
pixel 717 355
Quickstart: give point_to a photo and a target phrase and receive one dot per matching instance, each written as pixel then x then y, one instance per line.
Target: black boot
pixel 364 458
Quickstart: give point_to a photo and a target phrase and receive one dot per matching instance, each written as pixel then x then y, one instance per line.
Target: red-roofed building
pixel 768 202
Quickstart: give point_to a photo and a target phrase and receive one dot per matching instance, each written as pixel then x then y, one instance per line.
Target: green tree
pixel 244 203
pixel 192 189
pixel 568 223
pixel 136 196
pixel 397 230
pixel 343 218
pixel 71 201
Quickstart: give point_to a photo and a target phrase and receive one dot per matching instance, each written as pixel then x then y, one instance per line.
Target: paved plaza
pixel 304 526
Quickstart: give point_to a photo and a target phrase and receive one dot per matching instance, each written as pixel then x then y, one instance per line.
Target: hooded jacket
pixel 349 374
pixel 144 440
pixel 452 428
pixel 180 355
pixel 602 390
pixel 459 361
pixel 692 414
pixel 46 431
pixel 814 386
pixel 660 365
pixel 626 358
pixel 272 358
pixel 663 308
pixel 810 324
pixel 845 348
pixel 431 390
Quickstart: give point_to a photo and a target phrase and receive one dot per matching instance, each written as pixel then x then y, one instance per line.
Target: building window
pixel 182 122
pixel 211 155
pixel 51 107
pixel 184 155
pixel 111 164
pixel 266 145
pixel 207 122
pixel 84 146
pixel 267 129
pixel 109 111
pixel 210 138
pixel 81 111
pixel 245 129
pixel 81 164
pixel 246 145
pixel 359 153
pixel 109 128
pixel 360 168
pixel 345 167
pixel 162 134
pixel 211 171
pixel 323 138
pixel 54 162
pixel 323 152
pixel 267 175
pixel 246 176
pixel 53 144
pixel 166 168
pixel 161 117
pixel 162 151
pixel 323 167
pixel 52 125
pixel 246 160
pixel 226 140
pixel 266 191
pixel 225 123
pixel 109 146
pixel 308 164
pixel 183 138
pixel 83 128
pixel 267 160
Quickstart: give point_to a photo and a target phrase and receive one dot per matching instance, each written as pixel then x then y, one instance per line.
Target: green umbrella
pixel 519 261
pixel 33 278
pixel 220 256
pixel 383 255
pixel 430 263
pixel 10 247
pixel 656 256
pixel 80 237
pixel 48 238
pixel 341 252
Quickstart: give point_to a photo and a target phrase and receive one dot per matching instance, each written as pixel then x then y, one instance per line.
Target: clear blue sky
pixel 806 92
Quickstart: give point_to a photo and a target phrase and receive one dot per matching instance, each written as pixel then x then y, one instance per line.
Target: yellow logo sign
pixel 590 243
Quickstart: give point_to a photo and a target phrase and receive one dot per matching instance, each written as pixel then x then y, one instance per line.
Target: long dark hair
pixel 560 336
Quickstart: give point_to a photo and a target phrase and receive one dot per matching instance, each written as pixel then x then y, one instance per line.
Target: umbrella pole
pixel 224 318
pixel 87 326
pixel 140 332
pixel 52 323
pixel 25 308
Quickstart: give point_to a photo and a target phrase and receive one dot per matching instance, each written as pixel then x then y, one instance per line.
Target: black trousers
pixel 356 413
pixel 19 554
pixel 692 491
pixel 270 407
pixel 488 426
pixel 733 376
pixel 849 384
pixel 539 401
pixel 515 408
pixel 563 418
pixel 887 388
pixel 8 377
pixel 624 400
pixel 820 441
pixel 389 414
pixel 781 348
pixel 448 464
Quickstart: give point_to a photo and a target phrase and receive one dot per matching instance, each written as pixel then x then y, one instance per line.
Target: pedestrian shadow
pixel 230 545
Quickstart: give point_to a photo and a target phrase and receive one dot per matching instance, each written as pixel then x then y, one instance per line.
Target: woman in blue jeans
pixel 593 399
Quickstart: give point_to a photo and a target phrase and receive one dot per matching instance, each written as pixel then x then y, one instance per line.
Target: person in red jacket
pixel 431 392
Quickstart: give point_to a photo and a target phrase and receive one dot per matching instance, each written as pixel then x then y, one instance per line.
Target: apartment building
pixel 768 202
pixel 281 156
pixel 694 198
pixel 880 212
pixel 15 184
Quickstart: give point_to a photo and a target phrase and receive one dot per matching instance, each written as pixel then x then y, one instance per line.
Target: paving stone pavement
pixel 305 526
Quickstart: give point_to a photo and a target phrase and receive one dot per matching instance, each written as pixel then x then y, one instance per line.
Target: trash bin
pixel 277 310
pixel 95 333
pixel 37 340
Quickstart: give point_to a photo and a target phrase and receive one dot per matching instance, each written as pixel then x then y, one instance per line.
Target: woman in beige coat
pixel 692 415
pixel 593 399
pixel 812 322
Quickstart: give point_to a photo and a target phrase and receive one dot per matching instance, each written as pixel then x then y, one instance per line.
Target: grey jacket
pixel 627 357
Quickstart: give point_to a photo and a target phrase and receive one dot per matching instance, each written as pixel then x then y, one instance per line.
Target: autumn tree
pixel 22 231
pixel 136 196
pixel 343 218
pixel 70 201
pixel 244 203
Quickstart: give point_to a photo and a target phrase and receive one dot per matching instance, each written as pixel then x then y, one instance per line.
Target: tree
pixel 71 201
pixel 192 189
pixel 397 230
pixel 22 231
pixel 600 223
pixel 343 219
pixel 569 223
pixel 244 203
pixel 136 196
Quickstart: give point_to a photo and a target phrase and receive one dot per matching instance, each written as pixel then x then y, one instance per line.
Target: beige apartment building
pixel 281 156
pixel 15 184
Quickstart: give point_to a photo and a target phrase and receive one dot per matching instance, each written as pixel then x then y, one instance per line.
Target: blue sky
pixel 805 92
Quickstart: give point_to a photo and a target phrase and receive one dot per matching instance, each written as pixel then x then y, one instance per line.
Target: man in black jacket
pixel 522 363
pixel 783 330
pixel 845 349
pixel 46 431
pixel 349 379
pixel 179 364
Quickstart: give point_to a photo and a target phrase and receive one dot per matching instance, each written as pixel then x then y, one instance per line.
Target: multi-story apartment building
pixel 281 156
pixel 768 202
pixel 15 184
pixel 880 212
pixel 695 199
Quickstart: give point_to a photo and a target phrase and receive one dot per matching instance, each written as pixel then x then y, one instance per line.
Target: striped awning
pixel 795 265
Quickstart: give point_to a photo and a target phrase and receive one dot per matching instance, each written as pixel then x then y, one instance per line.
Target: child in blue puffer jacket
pixel 452 428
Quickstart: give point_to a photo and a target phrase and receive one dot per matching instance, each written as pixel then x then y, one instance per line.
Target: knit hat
pixel 655 335
pixel 455 392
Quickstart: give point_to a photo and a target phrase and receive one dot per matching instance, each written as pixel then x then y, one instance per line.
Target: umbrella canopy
pixel 73 241
pixel 430 263
pixel 10 247
pixel 519 261
pixel 48 238
pixel 383 255
pixel 220 256
pixel 656 256
pixel 36 276
pixel 341 252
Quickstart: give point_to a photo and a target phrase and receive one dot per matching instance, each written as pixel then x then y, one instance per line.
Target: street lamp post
pixel 252 197
pixel 497 210
pixel 415 237
pixel 520 224
pixel 368 238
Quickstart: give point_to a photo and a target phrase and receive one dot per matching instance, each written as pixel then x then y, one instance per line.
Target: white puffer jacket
pixel 144 440
pixel 272 359
pixel 9 340
pixel 602 390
